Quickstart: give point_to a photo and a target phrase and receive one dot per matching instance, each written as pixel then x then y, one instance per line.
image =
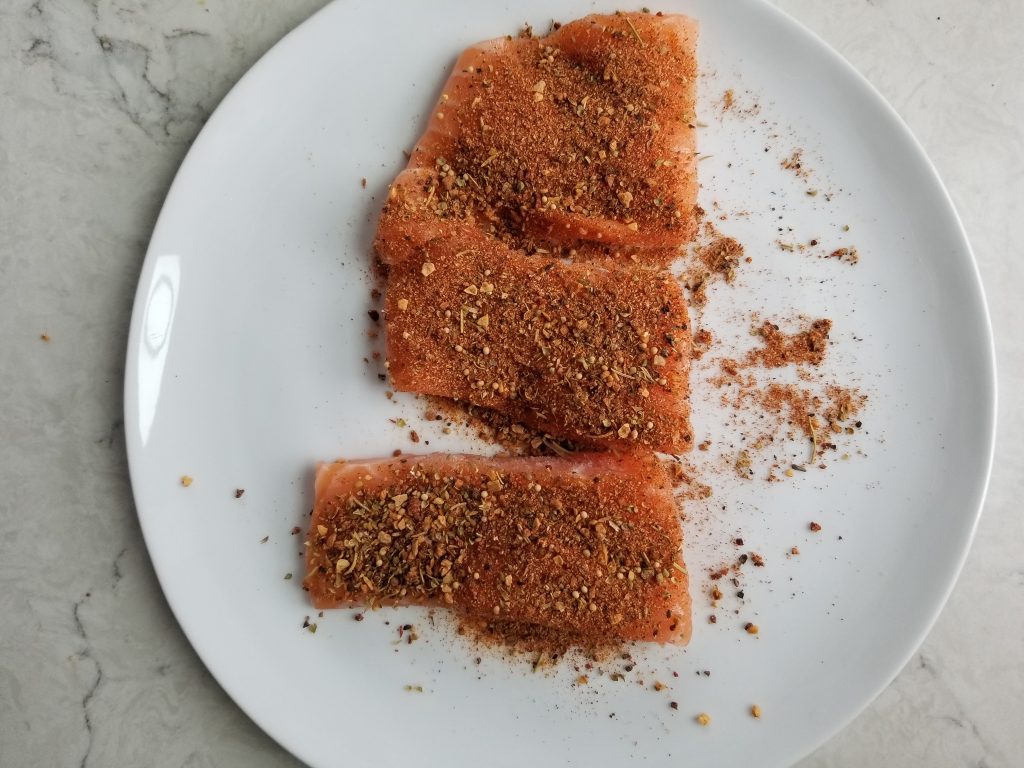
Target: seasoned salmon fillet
pixel 578 143
pixel 588 545
pixel 594 351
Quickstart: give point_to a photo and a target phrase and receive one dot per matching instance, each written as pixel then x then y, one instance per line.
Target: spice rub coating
pixel 593 351
pixel 588 545
pixel 579 143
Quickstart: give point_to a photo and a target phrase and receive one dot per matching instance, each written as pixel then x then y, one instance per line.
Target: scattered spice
pixel 239 492
pixel 186 480
pixel 703 719
pixel 743 464
pixel 715 259
pixel 722 255
pixel 755 711
pixel 44 336
pixel 815 527
pixel 845 255
pixel 752 629
pixel 807 346
pixel 795 163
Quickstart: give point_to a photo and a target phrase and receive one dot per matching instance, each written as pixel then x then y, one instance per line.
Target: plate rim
pixel 988 409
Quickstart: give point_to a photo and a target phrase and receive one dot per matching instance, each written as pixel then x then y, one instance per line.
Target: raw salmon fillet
pixel 588 545
pixel 578 143
pixel 594 351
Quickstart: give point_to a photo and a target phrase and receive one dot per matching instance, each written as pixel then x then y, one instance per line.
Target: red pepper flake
pixel 757 559
pixel 815 527
pixel 414 436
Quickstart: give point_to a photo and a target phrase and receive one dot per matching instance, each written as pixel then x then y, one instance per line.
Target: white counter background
pixel 99 100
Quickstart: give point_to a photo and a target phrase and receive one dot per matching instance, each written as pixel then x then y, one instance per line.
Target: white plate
pixel 245 367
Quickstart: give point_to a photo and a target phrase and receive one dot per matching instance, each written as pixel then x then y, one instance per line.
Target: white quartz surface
pixel 99 100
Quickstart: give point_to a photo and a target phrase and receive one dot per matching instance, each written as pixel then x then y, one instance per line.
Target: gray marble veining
pixel 99 100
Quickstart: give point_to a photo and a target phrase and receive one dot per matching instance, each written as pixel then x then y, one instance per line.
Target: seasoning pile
pixel 811 410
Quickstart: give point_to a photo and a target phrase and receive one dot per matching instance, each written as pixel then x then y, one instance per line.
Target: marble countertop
pixel 99 101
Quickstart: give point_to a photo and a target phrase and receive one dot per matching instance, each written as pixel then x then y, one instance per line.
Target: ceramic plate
pixel 246 367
